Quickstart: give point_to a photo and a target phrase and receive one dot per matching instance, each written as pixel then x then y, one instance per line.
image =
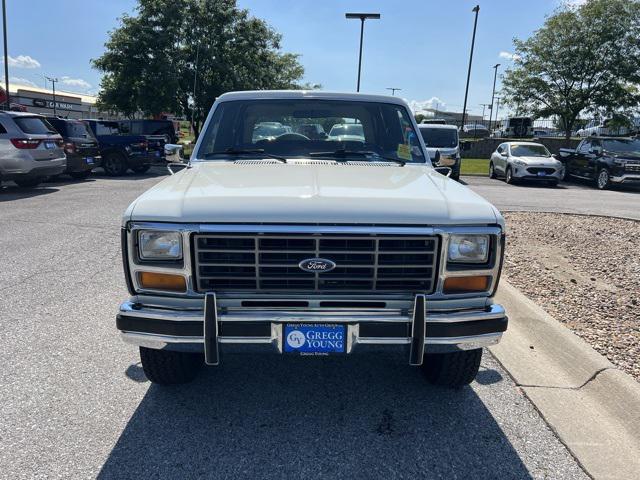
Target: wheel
pixel 454 369
pixel 166 367
pixel 508 176
pixel 455 175
pixel 80 175
pixel 603 181
pixel 492 171
pixel 141 168
pixel 114 164
pixel 29 182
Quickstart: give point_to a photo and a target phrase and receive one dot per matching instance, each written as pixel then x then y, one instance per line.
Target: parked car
pixel 442 142
pixel 157 132
pixel 163 129
pixel 314 131
pixel 30 149
pixel 514 127
pixel 525 161
pixel 310 247
pixel 604 161
pixel 120 152
pixel 346 132
pixel 609 128
pixel 475 130
pixel 269 131
pixel 80 146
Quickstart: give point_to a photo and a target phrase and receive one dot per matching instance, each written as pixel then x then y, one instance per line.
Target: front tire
pixel 114 164
pixel 454 370
pixel 166 367
pixel 508 176
pixel 603 180
pixel 492 171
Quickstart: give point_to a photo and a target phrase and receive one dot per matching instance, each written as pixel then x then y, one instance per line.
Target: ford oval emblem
pixel 319 265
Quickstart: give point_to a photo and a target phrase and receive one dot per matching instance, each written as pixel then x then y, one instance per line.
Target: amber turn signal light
pixel 162 281
pixel 479 283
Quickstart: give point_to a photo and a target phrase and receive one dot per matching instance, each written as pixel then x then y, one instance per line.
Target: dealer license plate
pixel 314 338
pixel 542 174
pixel 49 145
pixel 89 160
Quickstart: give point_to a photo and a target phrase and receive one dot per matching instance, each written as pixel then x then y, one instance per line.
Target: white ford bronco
pixel 321 245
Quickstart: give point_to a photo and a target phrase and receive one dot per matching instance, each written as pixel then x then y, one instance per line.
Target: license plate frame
pixel 89 160
pixel 314 339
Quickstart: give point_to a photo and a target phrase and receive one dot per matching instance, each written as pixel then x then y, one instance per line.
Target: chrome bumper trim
pixel 627 177
pixel 493 311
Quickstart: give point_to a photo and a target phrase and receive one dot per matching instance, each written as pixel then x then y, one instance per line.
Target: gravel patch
pixel 584 271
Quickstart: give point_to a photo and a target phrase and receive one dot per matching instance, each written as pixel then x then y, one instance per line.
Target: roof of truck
pixel 310 94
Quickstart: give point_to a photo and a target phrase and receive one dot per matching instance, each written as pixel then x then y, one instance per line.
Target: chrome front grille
pixel 270 262
pixel 632 166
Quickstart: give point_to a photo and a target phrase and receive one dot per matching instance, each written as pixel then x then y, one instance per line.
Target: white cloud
pixel 76 82
pixel 19 81
pixel 23 61
pixel 421 106
pixel 509 56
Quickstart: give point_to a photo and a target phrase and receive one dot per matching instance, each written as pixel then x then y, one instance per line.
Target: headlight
pixel 520 163
pixel 469 248
pixel 159 245
pixel 619 161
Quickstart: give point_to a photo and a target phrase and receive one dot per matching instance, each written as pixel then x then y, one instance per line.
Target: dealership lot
pixel 77 404
pixel 569 197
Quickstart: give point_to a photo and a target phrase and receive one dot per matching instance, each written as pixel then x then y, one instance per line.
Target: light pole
pixel 362 17
pixel 6 55
pixel 53 83
pixel 476 9
pixel 497 108
pixel 393 90
pixel 493 94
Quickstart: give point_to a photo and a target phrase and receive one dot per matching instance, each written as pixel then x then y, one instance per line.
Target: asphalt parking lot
pixel 76 403
pixel 569 197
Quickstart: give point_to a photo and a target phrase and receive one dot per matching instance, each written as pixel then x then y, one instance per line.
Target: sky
pixel 420 46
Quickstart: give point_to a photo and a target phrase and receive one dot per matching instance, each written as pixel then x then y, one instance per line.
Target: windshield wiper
pixel 341 154
pixel 245 151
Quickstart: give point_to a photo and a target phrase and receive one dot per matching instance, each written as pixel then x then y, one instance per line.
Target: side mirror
pixel 173 153
pixel 446 171
pixel 436 158
pixel 596 151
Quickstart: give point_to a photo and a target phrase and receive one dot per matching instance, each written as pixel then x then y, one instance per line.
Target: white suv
pixel 30 149
pixel 311 246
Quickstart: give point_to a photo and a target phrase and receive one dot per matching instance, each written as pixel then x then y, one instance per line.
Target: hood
pixel 227 192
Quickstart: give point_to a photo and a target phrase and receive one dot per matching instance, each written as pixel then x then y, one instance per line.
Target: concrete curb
pixel 593 407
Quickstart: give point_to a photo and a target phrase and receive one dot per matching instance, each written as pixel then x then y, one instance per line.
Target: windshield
pixel 440 137
pixel 529 151
pixel 622 146
pixel 358 130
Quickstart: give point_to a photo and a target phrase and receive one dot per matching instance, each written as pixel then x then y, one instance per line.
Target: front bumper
pixel 521 173
pixel 626 178
pixel 209 328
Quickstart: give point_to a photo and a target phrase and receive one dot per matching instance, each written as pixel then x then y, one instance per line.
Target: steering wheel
pixel 291 136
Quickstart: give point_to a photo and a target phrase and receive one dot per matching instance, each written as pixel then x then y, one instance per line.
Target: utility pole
pixel 53 83
pixel 393 90
pixel 362 17
pixel 493 94
pixel 6 54
pixel 476 9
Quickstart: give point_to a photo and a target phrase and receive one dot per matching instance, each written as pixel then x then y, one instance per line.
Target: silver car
pixel 30 149
pixel 525 161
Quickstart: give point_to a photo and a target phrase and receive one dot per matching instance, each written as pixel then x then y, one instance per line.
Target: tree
pixel 152 58
pixel 584 59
